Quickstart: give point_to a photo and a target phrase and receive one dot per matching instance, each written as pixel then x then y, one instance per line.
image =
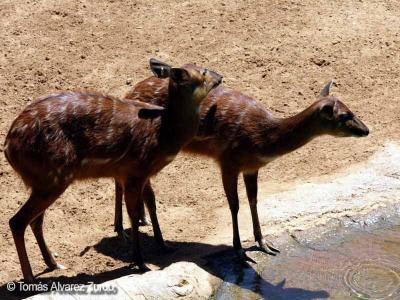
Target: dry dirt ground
pixel 280 52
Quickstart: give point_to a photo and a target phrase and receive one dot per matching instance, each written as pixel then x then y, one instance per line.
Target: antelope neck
pixel 289 134
pixel 181 120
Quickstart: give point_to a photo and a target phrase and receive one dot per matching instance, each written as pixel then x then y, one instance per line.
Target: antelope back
pixel 72 134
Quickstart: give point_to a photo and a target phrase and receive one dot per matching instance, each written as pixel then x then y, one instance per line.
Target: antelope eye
pixel 345 117
pixel 204 72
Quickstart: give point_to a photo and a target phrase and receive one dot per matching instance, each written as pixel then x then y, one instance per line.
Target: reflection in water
pixel 347 264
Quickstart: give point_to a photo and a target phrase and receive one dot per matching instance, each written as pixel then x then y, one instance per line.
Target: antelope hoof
pixel 143 268
pixel 124 236
pixel 243 257
pixel 55 266
pixel 60 267
pixel 268 247
pixel 29 279
pixel 144 222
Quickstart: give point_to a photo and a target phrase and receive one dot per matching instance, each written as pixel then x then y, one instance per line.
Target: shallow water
pixel 356 263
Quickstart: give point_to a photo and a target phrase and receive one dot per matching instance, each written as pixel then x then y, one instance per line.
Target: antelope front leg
pixel 118 226
pixel 230 180
pixel 133 197
pixel 250 180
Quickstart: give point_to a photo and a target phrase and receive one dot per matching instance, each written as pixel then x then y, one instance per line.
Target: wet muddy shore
pixel 355 257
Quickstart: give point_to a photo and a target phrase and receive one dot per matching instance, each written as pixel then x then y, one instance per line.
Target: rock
pixel 182 280
pixel 320 62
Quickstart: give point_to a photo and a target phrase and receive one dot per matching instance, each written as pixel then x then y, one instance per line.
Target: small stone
pixel 320 62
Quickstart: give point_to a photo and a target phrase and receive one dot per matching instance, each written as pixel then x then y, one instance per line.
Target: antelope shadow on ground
pixel 219 260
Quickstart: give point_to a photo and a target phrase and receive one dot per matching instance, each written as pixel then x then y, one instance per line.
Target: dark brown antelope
pixel 74 135
pixel 242 136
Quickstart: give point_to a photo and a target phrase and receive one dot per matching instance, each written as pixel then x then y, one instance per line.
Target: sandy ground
pixel 358 199
pixel 280 52
pixel 364 189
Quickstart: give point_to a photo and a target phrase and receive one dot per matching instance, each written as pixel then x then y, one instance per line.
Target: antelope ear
pixel 151 113
pixel 159 69
pixel 179 75
pixel 326 90
pixel 327 112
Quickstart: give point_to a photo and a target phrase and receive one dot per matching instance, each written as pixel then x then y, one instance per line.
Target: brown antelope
pixel 242 136
pixel 74 135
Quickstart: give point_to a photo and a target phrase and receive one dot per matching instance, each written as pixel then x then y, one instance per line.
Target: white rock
pixel 183 280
